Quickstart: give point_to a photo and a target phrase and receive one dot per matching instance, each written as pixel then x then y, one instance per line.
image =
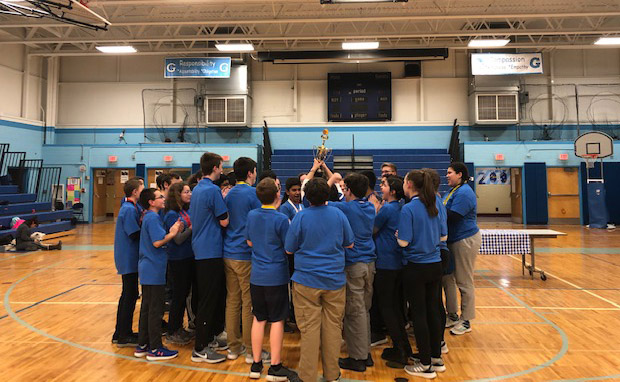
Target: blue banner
pixel 197 67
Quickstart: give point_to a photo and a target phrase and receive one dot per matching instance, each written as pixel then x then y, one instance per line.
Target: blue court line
pixel 556 358
pixel 15 317
pixel 42 301
pixel 16 256
pixel 89 247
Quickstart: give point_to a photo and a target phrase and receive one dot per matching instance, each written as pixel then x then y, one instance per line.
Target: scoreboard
pixel 359 97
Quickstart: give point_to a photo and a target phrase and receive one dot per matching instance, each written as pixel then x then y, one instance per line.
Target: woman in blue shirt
pixel 464 241
pixel 180 260
pixel 388 279
pixel 420 230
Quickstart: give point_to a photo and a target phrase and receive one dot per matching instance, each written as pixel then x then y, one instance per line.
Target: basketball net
pixel 590 160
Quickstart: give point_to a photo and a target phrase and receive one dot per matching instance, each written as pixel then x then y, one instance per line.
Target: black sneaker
pixel 114 338
pixel 288 328
pixel 352 364
pixel 129 341
pixel 369 362
pixel 395 355
pixel 377 339
pixel 279 373
pixel 256 369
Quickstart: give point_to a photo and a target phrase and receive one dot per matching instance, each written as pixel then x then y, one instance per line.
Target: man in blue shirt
pixel 152 272
pixel 209 214
pixel 360 271
pixel 240 200
pixel 126 240
pixel 318 236
pixel 265 233
pixel 291 204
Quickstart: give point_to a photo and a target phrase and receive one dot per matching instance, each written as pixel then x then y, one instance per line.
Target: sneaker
pixel 352 364
pixel 127 342
pixel 444 347
pixel 218 344
pixel 223 336
pixel 288 328
pixel 141 351
pixel 419 370
pixel 161 354
pixel 377 339
pixel 234 355
pixel 436 363
pixel 451 320
pixel 281 373
pixel 114 338
pixel 256 370
pixel 369 362
pixel 207 355
pixel 179 337
pixel 264 355
pixel 461 328
pixel 394 355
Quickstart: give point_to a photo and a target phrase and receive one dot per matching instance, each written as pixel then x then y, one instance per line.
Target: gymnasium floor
pixel 59 308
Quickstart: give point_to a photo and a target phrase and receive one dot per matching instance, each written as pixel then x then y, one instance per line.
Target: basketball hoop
pixel 590 160
pixel 593 146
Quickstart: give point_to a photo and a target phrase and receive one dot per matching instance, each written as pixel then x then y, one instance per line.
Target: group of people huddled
pixel 327 256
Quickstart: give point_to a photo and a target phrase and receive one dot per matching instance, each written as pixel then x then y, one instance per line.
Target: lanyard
pixel 297 209
pixel 185 216
pixel 445 202
pixel 140 213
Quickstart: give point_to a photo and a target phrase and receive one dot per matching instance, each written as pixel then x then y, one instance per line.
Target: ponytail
pixel 423 183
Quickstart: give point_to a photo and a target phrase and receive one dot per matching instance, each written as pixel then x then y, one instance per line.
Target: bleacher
pixel 27 203
pixel 289 163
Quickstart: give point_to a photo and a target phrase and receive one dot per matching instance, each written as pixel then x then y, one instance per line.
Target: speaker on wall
pixel 413 69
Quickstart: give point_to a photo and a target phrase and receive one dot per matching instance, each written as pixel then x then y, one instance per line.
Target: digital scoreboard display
pixel 359 97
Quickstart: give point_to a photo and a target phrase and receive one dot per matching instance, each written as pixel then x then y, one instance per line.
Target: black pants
pixel 126 305
pixel 377 324
pixel 181 274
pixel 210 286
pixel 423 288
pixel 151 313
pixel 388 289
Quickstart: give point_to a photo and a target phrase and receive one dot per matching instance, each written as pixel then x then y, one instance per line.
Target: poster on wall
pixel 74 186
pixel 499 176
pixel 124 176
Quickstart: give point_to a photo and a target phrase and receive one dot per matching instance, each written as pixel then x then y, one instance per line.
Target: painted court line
pixel 575 286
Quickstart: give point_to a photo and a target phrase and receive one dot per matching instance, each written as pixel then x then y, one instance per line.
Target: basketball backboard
pixel 594 144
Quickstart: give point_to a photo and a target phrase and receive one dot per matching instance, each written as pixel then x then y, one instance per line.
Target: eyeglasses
pixel 161 197
pixel 187 192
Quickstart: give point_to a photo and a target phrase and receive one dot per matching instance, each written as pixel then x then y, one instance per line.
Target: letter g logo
pixel 535 63
pixel 171 67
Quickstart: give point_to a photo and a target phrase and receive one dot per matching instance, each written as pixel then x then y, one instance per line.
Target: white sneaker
pixel 231 355
pixel 452 320
pixel 265 356
pixel 438 365
pixel 444 347
pixel 462 327
pixel 419 370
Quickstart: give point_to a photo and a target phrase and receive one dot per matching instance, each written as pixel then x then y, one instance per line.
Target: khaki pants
pixel 238 302
pixel 465 252
pixel 360 277
pixel 319 316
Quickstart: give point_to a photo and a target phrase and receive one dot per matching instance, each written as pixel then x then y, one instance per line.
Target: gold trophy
pixel 321 152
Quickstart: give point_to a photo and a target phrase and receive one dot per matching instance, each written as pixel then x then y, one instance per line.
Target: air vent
pixel 226 111
pixel 496 108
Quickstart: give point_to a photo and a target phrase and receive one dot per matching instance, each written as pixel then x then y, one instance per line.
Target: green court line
pixel 580 250
pixel 15 317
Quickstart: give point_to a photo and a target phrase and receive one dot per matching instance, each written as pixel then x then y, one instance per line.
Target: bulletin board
pixel 74 186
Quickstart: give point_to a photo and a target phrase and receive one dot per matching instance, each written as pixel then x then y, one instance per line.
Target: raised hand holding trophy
pixel 321 153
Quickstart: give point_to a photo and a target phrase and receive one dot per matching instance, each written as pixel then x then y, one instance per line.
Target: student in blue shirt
pixel 240 200
pixel 265 234
pixel 209 214
pixel 318 236
pixel 291 202
pixel 464 240
pixel 388 279
pixel 420 230
pixel 360 271
pixel 126 242
pixel 152 271
pixel 141 180
pixel 180 260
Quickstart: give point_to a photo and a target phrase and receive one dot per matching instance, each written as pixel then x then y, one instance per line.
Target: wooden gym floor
pixel 59 308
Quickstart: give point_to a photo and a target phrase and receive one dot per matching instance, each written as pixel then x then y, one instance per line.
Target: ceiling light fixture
pixel 360 45
pixel 608 41
pixel 117 49
pixel 488 43
pixel 234 47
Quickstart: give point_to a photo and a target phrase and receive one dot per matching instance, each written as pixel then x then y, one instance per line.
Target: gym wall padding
pixel 535 188
pixel 612 188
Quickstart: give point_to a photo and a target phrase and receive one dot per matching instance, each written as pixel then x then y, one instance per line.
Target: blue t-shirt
pixel 267 229
pixel 152 261
pixel 317 236
pixel 463 201
pixel 361 215
pixel 177 251
pixel 126 249
pixel 206 206
pixel 443 215
pixel 290 209
pixel 421 231
pixel 389 253
pixel 240 200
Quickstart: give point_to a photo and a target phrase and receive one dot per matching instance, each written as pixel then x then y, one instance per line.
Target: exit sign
pixel 112 158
